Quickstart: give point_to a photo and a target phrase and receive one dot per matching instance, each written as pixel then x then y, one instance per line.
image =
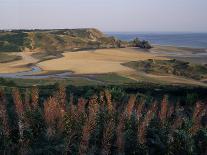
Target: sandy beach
pixel 97 61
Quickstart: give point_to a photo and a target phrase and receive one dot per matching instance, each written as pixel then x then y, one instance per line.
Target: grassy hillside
pixel 6 57
pixel 61 40
pixel 55 40
pixel 13 42
pixel 170 67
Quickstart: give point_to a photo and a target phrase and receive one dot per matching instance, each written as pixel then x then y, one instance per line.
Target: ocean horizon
pixel 193 40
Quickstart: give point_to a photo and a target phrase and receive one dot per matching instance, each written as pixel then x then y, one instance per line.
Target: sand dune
pixel 97 61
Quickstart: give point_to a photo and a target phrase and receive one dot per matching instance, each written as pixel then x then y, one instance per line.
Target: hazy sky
pixel 107 15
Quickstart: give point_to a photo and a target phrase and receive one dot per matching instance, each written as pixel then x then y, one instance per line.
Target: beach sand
pixel 97 61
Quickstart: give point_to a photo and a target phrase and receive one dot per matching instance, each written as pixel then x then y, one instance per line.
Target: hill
pixel 55 40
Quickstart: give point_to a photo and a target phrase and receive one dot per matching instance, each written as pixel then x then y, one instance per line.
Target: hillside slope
pixel 55 40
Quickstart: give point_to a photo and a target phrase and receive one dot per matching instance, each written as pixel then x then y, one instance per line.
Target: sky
pixel 106 15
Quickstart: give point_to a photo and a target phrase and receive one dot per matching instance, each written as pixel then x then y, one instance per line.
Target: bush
pixel 141 44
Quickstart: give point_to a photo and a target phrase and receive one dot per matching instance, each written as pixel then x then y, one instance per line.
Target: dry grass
pixel 35 98
pixel 143 125
pixel 126 115
pixel 53 116
pixel 89 125
pixel 164 109
pixel 199 112
pixel 4 114
pixel 107 136
pixel 18 102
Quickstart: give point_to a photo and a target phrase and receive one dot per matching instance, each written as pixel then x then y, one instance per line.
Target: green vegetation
pixel 92 120
pixel 93 80
pixel 170 67
pixel 6 57
pixel 61 40
pixel 113 79
pixel 77 81
pixel 141 44
pixel 13 42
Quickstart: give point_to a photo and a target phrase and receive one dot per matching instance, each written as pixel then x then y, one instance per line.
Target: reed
pixel 139 109
pixel 34 98
pixel 102 100
pixel 163 110
pixel 61 97
pixel 109 103
pixel 81 105
pixel 18 102
pixel 199 112
pixel 3 114
pixel 20 112
pixel 108 134
pixel 143 126
pixel 120 140
pixel 27 99
pixel 89 125
pixel 130 106
pixel 74 127
pixel 53 116
pixel 177 123
pixel 170 111
pixel 126 115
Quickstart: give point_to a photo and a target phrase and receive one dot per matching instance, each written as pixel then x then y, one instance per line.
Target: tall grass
pixel 96 124
pixel 163 110
pixel 4 114
pixel 199 112
pixel 124 116
pixel 19 110
pixel 145 123
pixel 34 98
pixel 53 116
pixel 89 125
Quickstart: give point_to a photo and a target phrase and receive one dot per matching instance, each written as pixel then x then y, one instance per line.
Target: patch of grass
pixel 47 55
pixel 76 81
pixel 106 79
pixel 13 42
pixel 114 79
pixel 5 57
pixel 170 67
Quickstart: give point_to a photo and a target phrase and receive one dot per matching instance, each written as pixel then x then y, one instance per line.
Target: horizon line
pixel 104 31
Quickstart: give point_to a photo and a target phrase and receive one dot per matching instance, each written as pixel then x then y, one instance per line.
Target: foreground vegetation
pixel 102 121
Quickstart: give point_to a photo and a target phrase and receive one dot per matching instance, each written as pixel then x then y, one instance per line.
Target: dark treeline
pixel 107 121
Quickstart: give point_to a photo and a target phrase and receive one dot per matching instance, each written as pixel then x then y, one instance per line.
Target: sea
pixel 194 40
